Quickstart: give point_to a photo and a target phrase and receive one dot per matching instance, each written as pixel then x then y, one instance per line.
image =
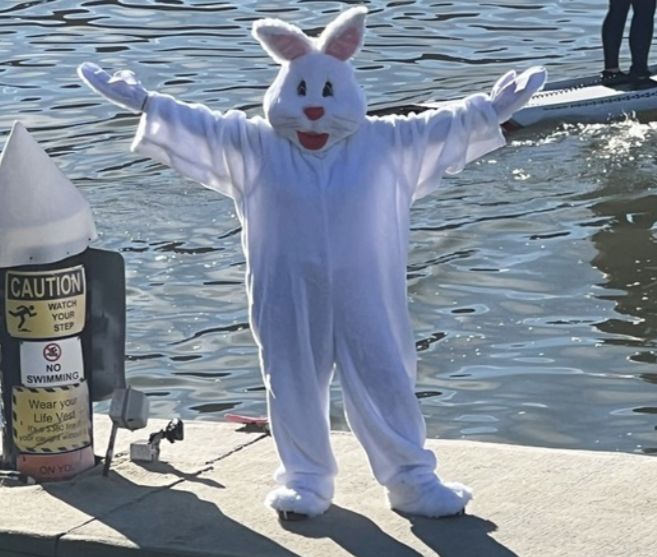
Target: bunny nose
pixel 313 112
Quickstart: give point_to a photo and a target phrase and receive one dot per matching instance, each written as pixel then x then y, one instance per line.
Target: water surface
pixel 532 274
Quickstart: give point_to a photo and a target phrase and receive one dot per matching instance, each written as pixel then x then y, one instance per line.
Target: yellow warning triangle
pixel 43 216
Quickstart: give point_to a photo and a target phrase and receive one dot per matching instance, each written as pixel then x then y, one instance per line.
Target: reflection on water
pixel 528 278
pixel 532 277
pixel 628 258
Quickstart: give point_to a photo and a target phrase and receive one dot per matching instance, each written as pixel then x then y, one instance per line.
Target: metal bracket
pixel 149 451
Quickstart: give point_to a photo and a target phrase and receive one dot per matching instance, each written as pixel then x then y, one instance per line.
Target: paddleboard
pixel 588 100
pixel 583 99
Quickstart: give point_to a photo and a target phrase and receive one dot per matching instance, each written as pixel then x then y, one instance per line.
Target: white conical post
pixel 43 216
pixel 45 229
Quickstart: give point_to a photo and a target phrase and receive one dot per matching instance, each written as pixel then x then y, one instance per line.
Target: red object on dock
pixel 262 421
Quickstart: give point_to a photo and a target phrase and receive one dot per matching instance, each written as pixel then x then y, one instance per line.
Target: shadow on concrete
pixel 358 535
pixel 463 536
pixel 164 521
pixel 160 467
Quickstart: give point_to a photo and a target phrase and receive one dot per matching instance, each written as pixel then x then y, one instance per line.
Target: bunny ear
pixel 282 41
pixel 343 37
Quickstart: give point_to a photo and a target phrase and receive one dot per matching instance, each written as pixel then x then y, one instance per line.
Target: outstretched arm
pixel 442 141
pixel 207 146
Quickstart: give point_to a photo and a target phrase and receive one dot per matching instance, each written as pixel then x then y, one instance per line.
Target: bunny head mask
pixel 315 99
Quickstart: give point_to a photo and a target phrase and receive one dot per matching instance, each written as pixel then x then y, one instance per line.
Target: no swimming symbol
pixel 52 352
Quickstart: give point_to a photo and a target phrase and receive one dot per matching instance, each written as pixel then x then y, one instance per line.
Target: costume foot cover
pixel 288 501
pixel 434 499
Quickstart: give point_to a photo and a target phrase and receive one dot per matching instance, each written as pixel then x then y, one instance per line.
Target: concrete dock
pixel 204 499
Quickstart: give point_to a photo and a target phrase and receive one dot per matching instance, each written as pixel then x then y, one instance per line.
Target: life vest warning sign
pixel 51 420
pixel 45 304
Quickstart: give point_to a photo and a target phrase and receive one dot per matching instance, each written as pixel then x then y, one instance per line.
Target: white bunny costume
pixel 323 195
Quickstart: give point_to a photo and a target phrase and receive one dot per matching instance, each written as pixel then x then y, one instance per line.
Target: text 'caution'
pixel 46 304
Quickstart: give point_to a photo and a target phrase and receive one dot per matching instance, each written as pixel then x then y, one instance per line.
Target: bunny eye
pixel 328 89
pixel 301 88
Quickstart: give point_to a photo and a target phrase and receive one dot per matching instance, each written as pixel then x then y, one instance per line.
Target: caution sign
pixel 51 363
pixel 46 304
pixel 51 420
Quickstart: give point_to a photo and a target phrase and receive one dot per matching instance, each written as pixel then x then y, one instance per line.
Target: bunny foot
pixel 433 500
pixel 296 504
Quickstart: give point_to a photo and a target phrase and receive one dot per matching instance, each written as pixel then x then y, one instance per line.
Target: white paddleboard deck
pixel 588 103
pixel 583 100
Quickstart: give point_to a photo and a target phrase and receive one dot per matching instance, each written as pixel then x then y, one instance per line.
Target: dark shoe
pixel 641 80
pixel 613 78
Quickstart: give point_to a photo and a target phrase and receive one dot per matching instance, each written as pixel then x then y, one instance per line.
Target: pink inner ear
pixel 288 46
pixel 344 45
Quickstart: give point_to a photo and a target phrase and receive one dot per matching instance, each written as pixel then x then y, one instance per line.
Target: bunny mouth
pixel 312 141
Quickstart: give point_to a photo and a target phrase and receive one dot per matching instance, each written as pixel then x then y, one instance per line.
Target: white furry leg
pixel 433 499
pixel 298 501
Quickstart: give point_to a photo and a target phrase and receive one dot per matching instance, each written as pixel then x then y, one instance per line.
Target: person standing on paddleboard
pixel 641 31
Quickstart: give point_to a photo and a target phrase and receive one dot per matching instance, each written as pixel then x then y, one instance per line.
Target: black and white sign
pixel 52 363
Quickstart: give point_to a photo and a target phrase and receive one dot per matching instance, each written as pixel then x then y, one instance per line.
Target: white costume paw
pixel 512 92
pixel 433 500
pixel 123 88
pixel 288 500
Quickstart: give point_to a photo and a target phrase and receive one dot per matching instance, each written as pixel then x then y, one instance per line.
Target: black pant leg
pixel 612 30
pixel 641 31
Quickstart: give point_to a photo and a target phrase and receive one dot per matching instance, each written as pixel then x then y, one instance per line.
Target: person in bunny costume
pixel 323 193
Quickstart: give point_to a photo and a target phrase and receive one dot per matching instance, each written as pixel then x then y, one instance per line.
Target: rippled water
pixel 532 275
